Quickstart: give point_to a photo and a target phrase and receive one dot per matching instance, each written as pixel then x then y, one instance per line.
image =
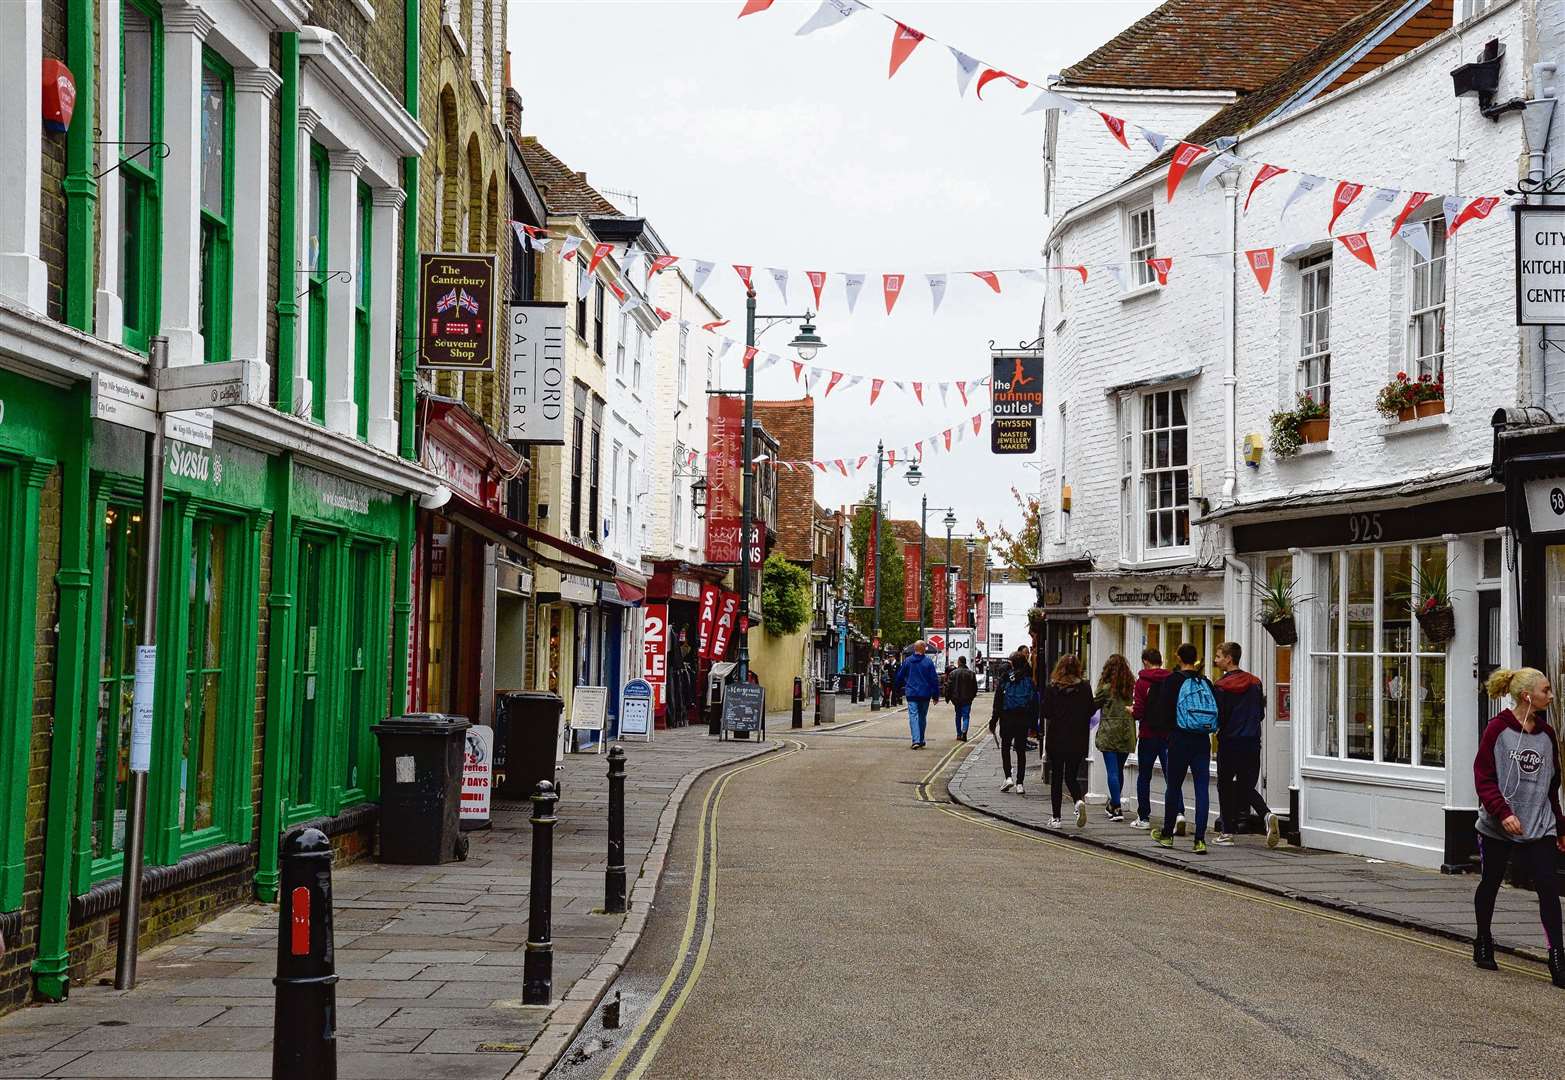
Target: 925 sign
pixel 1365 528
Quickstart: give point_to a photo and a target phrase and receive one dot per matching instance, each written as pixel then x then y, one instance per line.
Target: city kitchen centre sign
pixel 1540 265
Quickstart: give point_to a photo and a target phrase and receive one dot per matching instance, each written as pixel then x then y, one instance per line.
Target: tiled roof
pixel 564 191
pixel 793 424
pixel 1238 45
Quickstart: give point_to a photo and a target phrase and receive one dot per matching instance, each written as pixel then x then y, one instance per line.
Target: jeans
pixel 917 717
pixel 1188 751
pixel 1153 749
pixel 1064 771
pixel 1238 770
pixel 1114 767
pixel 1539 857
pixel 964 713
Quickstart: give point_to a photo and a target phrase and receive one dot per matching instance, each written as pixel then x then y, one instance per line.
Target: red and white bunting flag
pixel 1414 201
pixel 753 6
pixel 1380 203
pixel 860 464
pixel 1358 246
pixel 830 13
pixel 1415 234
pixel 891 456
pixel 904 39
pixel 851 284
pixel 1048 99
pixel 891 284
pixel 568 248
pixel 798 369
pixel 1266 173
pixel 989 278
pixel 1450 206
pixel 780 279
pixel 711 327
pixel 703 270
pixel 947 435
pixel 918 392
pixel 994 73
pixel 1155 139
pixel 821 465
pixel 744 274
pixel 663 315
pixel 817 282
pixel 961 388
pixel 1161 267
pixel 1262 261
pixel 945 390
pixel 966 68
pixel 874 389
pixel 599 253
pixel 1082 270
pixel 662 263
pixel 937 290
pixel 1341 199
pixel 1476 210
pixel 749 355
pixel 1185 155
pixel 836 377
pixel 1307 183
pixel 919 447
pixel 842 466
pixel 1116 127
pixel 619 293
pixel 978 422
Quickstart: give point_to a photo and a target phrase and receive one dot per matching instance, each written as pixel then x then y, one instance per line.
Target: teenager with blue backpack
pixel 1017 711
pixel 1187 710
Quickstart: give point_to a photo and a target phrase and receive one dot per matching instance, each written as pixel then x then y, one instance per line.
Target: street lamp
pixel 914 477
pixel 698 497
pixel 807 342
pixel 923 562
pixel 950 523
pixel 968 614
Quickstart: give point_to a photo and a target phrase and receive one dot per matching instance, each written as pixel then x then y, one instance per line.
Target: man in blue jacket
pixel 1241 710
pixel 919 682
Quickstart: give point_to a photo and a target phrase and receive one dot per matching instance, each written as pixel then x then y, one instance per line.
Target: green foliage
pixel 785 596
pixel 1286 439
pixel 1278 597
pixel 894 631
pixel 1019 549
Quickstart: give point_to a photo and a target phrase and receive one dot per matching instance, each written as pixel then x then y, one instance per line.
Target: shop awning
pixel 631 594
pixel 525 540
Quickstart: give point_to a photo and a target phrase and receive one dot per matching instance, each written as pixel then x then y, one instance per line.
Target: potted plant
pixel 1431 595
pixel 1035 621
pixel 1308 422
pixel 1429 395
pixel 1396 398
pixel 1278 604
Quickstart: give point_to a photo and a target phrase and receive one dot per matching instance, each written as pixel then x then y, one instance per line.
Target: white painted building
pixel 1008 604
pixel 1157 531
pixel 683 366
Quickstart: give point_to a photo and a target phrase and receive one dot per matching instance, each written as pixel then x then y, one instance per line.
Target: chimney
pixel 513 112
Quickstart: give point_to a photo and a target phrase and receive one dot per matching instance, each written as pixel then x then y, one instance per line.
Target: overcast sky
pixel 747 144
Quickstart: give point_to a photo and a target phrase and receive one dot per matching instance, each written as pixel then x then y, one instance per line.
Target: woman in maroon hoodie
pixel 1517 771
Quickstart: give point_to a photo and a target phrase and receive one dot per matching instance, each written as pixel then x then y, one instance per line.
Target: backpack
pixel 1196 707
pixel 1018 691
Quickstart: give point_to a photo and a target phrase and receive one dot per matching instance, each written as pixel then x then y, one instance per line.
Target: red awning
pixel 631 594
pixel 526 540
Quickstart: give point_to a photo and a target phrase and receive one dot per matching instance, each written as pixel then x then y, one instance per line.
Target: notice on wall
pixel 143 689
pixel 535 410
pixel 456 311
pixel 477 773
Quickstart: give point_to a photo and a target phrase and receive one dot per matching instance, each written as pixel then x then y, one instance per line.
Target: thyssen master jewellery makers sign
pixel 1540 265
pixel 456 311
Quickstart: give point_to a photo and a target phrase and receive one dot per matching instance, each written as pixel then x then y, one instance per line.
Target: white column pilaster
pixel 254 89
pixel 184 31
pixel 342 263
pixel 384 353
pixel 23 276
pixel 303 391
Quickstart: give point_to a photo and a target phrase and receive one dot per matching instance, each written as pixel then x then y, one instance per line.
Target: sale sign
pixel 937 584
pixel 654 650
pixel 912 577
pixel 870 568
pixel 727 618
pixel 707 621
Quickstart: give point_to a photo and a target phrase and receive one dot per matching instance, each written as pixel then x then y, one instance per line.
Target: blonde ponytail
pixel 1513 681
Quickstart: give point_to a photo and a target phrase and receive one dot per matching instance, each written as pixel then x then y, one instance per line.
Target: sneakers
pixel 1054 823
pixel 1180 827
pixel 1557 966
pixel 1222 839
pixel 1200 847
pixel 1141 823
pixel 1273 831
pixel 1009 783
pixel 1161 838
pixel 1020 790
pixel 1118 814
pixel 1081 814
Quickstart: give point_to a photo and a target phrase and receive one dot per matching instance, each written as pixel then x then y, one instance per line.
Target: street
pixel 861 925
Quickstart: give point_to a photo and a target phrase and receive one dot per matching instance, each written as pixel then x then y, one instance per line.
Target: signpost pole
pixel 145 687
pixel 874 567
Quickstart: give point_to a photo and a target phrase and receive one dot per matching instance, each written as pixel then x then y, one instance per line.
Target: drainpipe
pixel 1230 182
pixel 279 673
pixel 80 185
pixel 408 354
pixel 1537 119
pixel 287 222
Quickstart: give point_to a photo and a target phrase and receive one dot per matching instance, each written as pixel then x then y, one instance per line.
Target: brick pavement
pixel 430 957
pixel 1389 892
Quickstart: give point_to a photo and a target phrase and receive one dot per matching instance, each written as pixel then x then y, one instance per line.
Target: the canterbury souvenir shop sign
pixel 456 311
pixel 1155 594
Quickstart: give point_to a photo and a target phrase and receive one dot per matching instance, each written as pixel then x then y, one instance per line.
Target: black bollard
pixel 614 876
pixel 853 689
pixel 817 704
pixel 304 1021
pixel 798 702
pixel 538 962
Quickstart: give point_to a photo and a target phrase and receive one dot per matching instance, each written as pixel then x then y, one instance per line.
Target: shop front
pixel 681 586
pixel 1067 624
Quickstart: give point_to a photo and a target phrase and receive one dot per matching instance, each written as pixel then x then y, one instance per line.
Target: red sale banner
pixel 654 650
pixel 708 620
pixel 870 569
pixel 727 615
pixel 937 588
pixel 912 575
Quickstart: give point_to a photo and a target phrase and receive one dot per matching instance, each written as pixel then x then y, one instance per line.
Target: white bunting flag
pixel 1155 139
pixel 722 350
pixel 1451 205
pixel 853 380
pixel 966 67
pixel 583 282
pixel 1048 99
pixel 1118 274
pixel 1218 165
pixel 1293 249
pixel 568 248
pixel 1307 184
pixel 900 386
pixel 852 283
pixel 703 270
pixel 633 257
pixel 830 13
pixel 767 361
pixel 1035 276
pixel 1416 236
pixel 781 278
pixel 1381 203
pixel 937 288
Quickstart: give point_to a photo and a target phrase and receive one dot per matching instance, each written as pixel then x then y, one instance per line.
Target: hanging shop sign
pixel 1013 435
pixel 724 446
pixel 962 598
pixel 456 311
pixel 912 578
pixel 706 623
pixel 654 649
pixel 454 470
pixel 1016 383
pixel 1540 265
pixel 535 411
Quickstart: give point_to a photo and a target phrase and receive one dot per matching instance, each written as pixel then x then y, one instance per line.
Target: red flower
pixel 1402 375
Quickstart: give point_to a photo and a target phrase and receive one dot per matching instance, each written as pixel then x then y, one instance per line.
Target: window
pixel 996 644
pixel 361 313
pixel 140 170
pixel 1062 520
pixel 1426 307
pixel 1141 226
pixel 310 665
pixel 578 439
pixel 217 204
pixel 1058 283
pixel 118 628
pixel 679 515
pixel 630 496
pixel 1164 465
pixel 619 348
pixel 581 298
pixel 1315 328
pixel 1378 683
pixel 594 507
pixel 597 319
pixel 635 368
pixel 363 667
pixel 614 461
pixel 206 602
pixel 319 210
pixel 684 364
pixel 996 609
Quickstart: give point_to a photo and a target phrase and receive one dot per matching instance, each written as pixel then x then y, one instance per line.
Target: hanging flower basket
pixel 1284 631
pixel 1035 620
pixel 1439 624
pixel 1315 430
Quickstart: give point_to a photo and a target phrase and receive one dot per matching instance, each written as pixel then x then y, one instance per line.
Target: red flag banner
pixel 753 6
pixel 662 263
pixel 749 354
pixel 912 577
pixel 937 597
pixel 798 369
pixel 961 601
pixel 1161 267
pixel 870 567
pixel 1266 173
pixel 1341 199
pixel 1414 201
pixel 892 283
pixel 712 327
pixel 1117 127
pixel 724 447
pixel 1358 246
pixel 918 392
pixel 842 466
pixel 947 434
pixel 994 73
pixel 1185 155
pixel 817 282
pixel 831 384
pixel 707 621
pixel 1476 210
pixel 874 389
pixel 1082 270
pixel 904 39
pixel 599 253
pixel 619 293
pixel 961 388
pixel 978 422
pixel 989 278
pixel 1262 262
pixel 744 274
pixel 981 631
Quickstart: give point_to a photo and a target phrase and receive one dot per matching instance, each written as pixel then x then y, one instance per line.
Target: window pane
pixel 1396 715
pixel 136 117
pixel 1361 600
pixel 205 596
pixel 214 141
pixel 1431 711
pixel 1325 693
pixel 309 653
pixel 314 253
pixel 1331 567
pixel 1396 610
pixel 1361 706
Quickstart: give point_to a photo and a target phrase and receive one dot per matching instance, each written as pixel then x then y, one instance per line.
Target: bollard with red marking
pixel 304 1024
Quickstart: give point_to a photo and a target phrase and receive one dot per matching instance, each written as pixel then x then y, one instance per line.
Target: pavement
pixel 430 957
pixel 829 911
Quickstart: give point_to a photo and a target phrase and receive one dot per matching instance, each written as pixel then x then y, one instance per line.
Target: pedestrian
pixel 918 681
pixel 1067 717
pixel 1186 708
pixel 1016 701
pixel 1517 772
pixel 1116 727
pixel 963 691
pixel 1241 706
pixel 1151 742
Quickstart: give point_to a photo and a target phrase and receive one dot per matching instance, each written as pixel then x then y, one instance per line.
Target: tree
pixel 894 630
pixel 785 596
pixel 1018 550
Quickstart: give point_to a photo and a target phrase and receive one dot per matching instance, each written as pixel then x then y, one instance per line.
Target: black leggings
pixel 1538 856
pixel 1066 770
pixel 1013 737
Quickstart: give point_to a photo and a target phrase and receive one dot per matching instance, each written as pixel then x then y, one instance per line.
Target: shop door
pixel 1277 675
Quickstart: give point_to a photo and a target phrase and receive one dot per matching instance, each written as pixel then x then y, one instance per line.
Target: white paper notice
pixel 143 689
